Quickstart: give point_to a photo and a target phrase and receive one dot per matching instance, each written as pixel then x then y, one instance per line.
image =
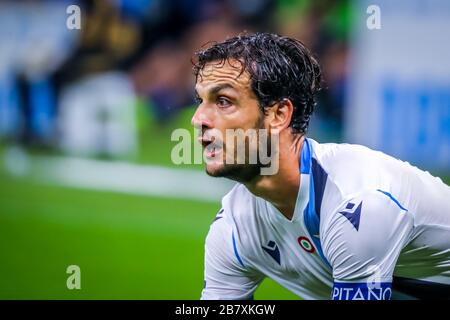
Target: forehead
pixel 223 72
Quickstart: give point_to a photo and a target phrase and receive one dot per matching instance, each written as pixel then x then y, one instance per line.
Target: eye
pixel 223 102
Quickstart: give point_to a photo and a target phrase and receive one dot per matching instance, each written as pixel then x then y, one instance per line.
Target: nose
pixel 201 119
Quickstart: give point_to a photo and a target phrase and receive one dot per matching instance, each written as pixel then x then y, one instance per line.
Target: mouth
pixel 211 149
pixel 205 142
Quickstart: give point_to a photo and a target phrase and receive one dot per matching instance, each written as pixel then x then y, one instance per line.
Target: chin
pixel 239 173
pixel 216 170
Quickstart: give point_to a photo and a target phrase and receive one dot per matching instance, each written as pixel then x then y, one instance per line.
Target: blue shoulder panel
pixel 318 178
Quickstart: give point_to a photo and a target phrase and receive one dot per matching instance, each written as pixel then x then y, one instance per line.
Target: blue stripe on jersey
pixel 393 199
pixel 362 291
pixel 305 158
pixel 235 249
pixel 318 179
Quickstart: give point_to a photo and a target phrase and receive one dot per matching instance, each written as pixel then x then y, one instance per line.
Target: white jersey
pixel 364 224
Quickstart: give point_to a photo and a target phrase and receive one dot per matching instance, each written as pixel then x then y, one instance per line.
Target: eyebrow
pixel 214 90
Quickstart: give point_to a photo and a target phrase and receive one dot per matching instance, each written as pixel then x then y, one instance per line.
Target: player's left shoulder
pixel 239 203
pixel 344 159
pixel 352 168
pixel 368 228
pixel 241 210
pixel 366 216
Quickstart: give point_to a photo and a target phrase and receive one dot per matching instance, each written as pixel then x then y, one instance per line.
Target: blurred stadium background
pixel 86 117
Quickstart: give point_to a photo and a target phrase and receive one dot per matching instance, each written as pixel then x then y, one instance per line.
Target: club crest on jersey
pixel 273 251
pixel 306 244
pixel 352 214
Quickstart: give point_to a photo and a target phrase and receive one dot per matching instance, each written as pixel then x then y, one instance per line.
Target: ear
pixel 280 114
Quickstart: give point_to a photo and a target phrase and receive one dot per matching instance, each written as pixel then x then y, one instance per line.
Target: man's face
pixel 226 101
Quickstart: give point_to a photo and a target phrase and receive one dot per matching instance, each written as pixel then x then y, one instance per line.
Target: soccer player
pixel 336 221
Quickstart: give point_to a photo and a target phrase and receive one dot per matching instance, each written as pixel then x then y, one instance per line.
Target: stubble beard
pixel 242 173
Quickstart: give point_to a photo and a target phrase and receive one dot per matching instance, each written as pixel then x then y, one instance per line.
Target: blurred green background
pixel 127 246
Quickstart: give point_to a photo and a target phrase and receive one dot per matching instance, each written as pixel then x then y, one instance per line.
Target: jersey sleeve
pixel 226 275
pixel 362 241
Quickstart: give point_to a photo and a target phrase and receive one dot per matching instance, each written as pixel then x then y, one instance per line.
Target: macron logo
pixel 273 251
pixel 218 216
pixel 352 214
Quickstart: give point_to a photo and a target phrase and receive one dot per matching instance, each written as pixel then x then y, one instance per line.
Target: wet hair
pixel 279 67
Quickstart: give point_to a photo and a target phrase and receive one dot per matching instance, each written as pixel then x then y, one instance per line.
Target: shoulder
pixel 238 206
pixel 349 165
pixel 362 227
pixel 239 196
pixel 352 169
pixel 228 274
pixel 365 234
pixel 233 227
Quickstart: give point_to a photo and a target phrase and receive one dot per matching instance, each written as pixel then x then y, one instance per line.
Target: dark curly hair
pixel 279 67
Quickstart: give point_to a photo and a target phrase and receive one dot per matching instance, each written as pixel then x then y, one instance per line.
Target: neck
pixel 281 189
